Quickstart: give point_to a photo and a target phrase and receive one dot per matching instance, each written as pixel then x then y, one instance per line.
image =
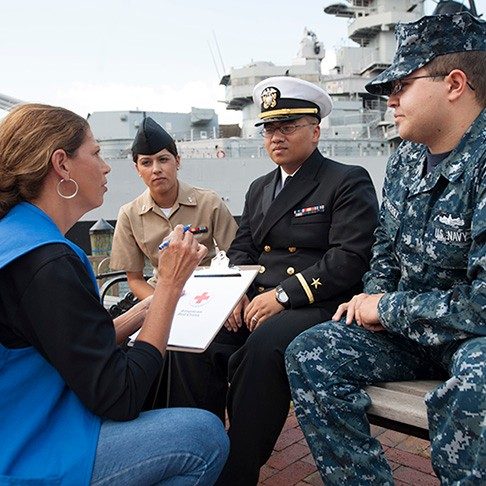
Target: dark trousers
pixel 198 380
pixel 258 397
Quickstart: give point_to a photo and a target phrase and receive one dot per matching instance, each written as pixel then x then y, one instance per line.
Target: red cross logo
pixel 201 298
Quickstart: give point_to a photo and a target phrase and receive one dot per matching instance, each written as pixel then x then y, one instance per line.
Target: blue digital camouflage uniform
pixel 430 259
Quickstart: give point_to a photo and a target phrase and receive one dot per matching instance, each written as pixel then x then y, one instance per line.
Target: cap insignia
pixel 270 97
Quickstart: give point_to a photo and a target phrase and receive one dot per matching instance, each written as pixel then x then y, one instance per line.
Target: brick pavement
pixel 292 464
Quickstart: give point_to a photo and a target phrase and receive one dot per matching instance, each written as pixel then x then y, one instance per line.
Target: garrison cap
pixel 284 98
pixel 429 37
pixel 152 138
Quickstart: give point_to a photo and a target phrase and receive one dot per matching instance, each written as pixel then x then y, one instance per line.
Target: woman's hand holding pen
pixel 176 263
pixel 178 260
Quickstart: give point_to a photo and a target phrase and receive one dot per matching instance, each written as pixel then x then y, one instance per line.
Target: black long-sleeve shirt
pixel 47 301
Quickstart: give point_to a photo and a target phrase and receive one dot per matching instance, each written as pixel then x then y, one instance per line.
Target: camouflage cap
pixel 431 36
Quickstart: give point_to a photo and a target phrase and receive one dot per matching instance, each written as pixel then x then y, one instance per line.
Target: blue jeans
pixel 176 446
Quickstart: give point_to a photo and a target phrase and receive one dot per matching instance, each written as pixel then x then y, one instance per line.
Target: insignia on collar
pixel 316 282
pixel 270 97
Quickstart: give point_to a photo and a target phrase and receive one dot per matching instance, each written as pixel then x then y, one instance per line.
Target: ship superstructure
pixel 356 132
pixel 359 130
pixel 356 113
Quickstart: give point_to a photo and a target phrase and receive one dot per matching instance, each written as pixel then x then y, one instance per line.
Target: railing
pixel 356 146
pixel 345 140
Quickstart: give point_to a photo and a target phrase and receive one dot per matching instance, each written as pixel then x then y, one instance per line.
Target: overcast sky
pixel 147 54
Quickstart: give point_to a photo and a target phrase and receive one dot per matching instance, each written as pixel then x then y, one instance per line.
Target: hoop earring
pixel 76 188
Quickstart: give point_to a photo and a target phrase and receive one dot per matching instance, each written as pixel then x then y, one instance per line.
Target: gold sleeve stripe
pixel 288 111
pixel 306 287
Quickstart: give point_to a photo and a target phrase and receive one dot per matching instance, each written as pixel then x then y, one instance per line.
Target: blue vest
pixel 47 436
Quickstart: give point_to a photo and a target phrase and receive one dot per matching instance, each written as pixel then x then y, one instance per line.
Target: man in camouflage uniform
pixel 424 306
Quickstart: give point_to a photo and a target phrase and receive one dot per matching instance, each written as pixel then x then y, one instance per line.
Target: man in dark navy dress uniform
pixel 309 225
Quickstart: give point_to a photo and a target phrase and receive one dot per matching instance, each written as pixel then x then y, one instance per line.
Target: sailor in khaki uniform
pixel 309 224
pixel 143 223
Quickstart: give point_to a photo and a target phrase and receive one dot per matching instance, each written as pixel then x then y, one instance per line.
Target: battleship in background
pixel 359 130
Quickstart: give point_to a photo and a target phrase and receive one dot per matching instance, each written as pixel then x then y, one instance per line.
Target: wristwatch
pixel 282 297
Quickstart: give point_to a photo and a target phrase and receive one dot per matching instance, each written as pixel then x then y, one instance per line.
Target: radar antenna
pixel 310 47
pixel 315 40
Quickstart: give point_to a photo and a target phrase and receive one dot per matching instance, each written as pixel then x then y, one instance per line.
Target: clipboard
pixel 209 297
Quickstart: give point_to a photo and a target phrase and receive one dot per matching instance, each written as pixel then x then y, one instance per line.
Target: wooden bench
pixel 400 406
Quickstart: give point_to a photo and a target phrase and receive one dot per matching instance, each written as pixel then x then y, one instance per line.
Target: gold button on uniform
pixel 292 249
pixel 290 270
pixel 261 289
pixel 262 269
pixel 267 248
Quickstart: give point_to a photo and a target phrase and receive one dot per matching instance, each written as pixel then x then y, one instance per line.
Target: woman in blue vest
pixel 70 398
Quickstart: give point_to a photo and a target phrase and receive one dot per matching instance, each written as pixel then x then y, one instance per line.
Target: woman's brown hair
pixel 29 135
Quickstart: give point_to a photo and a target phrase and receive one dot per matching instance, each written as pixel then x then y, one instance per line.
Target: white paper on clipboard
pixel 209 296
pixel 205 306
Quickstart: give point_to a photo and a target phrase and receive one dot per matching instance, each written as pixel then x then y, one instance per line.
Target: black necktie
pixel 280 186
pixel 287 180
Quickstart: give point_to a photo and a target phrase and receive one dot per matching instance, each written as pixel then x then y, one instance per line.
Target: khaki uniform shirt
pixel 141 226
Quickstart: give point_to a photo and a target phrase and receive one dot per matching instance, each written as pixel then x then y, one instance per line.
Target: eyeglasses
pixel 398 85
pixel 269 131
